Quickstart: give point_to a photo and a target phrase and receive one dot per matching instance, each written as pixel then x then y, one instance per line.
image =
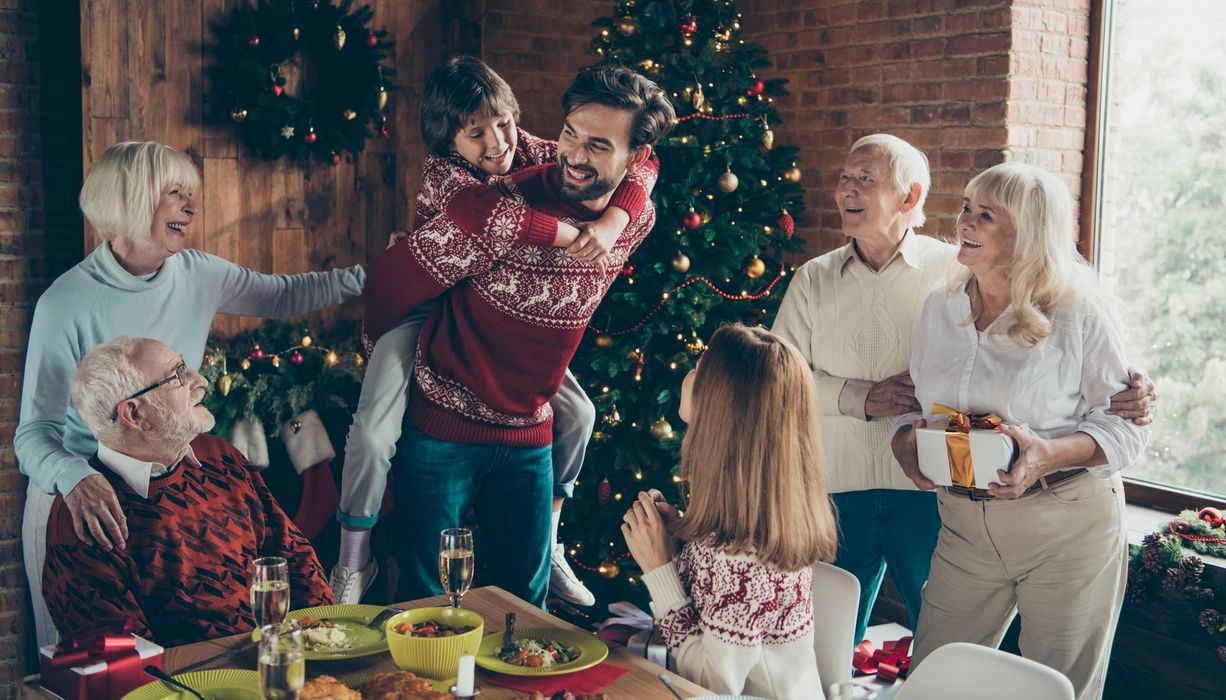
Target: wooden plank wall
pixel 144 68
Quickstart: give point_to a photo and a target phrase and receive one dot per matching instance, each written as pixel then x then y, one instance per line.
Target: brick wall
pixel 40 237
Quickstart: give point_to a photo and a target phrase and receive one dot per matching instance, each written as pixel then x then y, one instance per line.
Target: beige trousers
pixel 1057 557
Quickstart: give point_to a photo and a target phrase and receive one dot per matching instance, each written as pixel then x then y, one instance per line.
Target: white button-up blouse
pixel 1058 387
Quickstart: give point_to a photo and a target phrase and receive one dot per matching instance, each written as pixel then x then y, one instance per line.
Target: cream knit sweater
pixel 854 327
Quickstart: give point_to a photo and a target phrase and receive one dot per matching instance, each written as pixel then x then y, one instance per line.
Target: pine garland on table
pixel 279 371
pixel 1159 567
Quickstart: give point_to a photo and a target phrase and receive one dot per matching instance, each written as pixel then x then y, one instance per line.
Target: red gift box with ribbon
pixel 104 664
pixel 890 662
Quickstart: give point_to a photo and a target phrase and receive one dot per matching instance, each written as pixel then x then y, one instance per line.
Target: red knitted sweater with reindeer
pixel 494 349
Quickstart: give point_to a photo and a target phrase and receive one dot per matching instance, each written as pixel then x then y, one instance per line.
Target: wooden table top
pixel 491 602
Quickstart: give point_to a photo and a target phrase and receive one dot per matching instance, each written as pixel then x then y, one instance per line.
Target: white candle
pixel 464 683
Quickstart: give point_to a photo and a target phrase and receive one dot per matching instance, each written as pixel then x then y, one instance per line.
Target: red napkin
pixel 585 682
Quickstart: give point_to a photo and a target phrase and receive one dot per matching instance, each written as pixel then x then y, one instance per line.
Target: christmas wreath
pixel 1159 566
pixel 301 77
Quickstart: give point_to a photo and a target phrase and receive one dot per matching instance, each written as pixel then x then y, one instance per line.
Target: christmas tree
pixel 725 207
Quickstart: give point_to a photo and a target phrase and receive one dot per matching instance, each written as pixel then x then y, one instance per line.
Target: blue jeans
pixel 887 527
pixel 510 488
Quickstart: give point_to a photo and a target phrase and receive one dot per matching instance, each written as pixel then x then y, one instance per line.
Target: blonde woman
pixel 1026 334
pixel 735 606
pixel 143 280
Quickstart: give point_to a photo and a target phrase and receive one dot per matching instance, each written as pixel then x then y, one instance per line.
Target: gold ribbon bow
pixel 958 440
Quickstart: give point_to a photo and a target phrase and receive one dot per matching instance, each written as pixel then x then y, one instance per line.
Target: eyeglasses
pixel 180 375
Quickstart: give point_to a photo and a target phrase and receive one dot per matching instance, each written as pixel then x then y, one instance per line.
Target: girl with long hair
pixel 735 605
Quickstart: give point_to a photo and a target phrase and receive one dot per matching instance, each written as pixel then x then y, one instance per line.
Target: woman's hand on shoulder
pixel 907 455
pixel 646 534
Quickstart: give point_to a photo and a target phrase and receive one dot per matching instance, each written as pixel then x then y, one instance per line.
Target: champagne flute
pixel 455 562
pixel 282 662
pixel 270 590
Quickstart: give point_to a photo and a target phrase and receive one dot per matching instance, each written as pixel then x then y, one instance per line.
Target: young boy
pixel 468 122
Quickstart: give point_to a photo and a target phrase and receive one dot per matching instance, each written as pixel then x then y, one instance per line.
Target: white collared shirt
pixel 853 325
pixel 1062 385
pixel 137 473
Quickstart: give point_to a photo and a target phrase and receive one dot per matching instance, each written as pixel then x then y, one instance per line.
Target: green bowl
pixel 434 657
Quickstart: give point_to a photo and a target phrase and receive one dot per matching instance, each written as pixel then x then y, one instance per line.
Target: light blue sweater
pixel 99 300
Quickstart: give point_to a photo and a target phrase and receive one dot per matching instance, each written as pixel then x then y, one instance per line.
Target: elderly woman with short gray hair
pixel 143 280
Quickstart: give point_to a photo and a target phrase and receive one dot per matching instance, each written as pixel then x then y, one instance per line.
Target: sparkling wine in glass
pixel 269 590
pixel 282 662
pixel 455 562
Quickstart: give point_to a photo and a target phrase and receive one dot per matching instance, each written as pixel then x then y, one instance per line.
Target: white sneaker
pixel 562 580
pixel 349 585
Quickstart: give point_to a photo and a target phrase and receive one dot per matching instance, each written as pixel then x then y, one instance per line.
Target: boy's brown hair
pixel 459 90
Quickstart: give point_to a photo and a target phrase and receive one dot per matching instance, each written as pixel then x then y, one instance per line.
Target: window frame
pixel 1164 497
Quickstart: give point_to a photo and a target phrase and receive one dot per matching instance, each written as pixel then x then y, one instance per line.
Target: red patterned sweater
pixel 735 625
pixel 184 575
pixel 493 352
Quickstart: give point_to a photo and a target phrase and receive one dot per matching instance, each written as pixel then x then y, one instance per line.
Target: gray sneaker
pixel 349 585
pixel 562 580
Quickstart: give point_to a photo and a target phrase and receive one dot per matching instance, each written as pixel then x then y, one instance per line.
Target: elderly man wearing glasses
pixel 197 513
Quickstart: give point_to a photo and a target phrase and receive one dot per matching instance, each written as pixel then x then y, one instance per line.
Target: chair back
pixel 962 671
pixel 836 596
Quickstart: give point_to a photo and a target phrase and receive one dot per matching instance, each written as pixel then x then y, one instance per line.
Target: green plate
pixel 364 641
pixel 218 684
pixel 591 651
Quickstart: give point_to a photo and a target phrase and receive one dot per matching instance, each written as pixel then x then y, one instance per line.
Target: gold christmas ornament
pixel 661 430
pixel 696 346
pixel 381 97
pixel 742 100
pixel 357 359
pixel 612 417
pixel 332 358
pixel 349 114
pixel 756 268
pixel 306 341
pixel 604 340
pixel 295 426
pixel 224 383
pixel 238 114
pixel 768 139
pixel 609 571
pixel 698 98
pixel 338 39
pixel 728 182
pixel 276 360
pixel 792 174
pixel 681 263
pixel 626 26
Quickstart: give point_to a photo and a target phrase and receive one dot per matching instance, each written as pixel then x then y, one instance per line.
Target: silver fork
pixel 377 621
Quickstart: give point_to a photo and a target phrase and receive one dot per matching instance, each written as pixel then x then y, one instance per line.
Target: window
pixel 1158 198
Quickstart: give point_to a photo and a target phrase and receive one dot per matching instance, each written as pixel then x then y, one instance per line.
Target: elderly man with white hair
pixel 852 312
pixel 197 512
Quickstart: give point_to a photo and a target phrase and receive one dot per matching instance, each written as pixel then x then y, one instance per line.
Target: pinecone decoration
pixel 1210 619
pixel 1151 539
pixel 1175 580
pixel 1200 593
pixel 1152 559
pixel 1192 565
pixel 1137 592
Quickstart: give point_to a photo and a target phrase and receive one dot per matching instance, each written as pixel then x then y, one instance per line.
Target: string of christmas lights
pixel 710 285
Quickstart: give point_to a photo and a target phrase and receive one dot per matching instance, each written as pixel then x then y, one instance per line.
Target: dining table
pixel 491 602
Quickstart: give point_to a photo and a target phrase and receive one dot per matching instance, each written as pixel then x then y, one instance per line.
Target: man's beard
pixel 173 427
pixel 578 195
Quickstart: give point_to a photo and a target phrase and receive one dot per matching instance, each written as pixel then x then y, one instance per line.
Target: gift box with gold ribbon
pixel 964 449
pixel 103 664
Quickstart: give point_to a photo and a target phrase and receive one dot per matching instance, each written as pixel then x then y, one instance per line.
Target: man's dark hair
pixel 619 87
pixel 456 92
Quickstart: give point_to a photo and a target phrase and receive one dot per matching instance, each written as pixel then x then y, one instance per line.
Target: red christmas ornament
pixel 372 40
pixel 1213 516
pixel 756 88
pixel 385 132
pixel 296 358
pixel 277 89
pixel 257 354
pixel 628 270
pixel 253 41
pixel 692 220
pixel 689 25
pixel 336 158
pixel 787 224
pixel 603 492
pixel 311 137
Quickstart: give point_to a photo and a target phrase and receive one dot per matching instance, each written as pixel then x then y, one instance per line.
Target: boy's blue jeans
pixel 510 490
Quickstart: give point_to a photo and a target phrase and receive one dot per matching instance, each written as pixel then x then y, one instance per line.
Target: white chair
pixel 962 671
pixel 836 596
